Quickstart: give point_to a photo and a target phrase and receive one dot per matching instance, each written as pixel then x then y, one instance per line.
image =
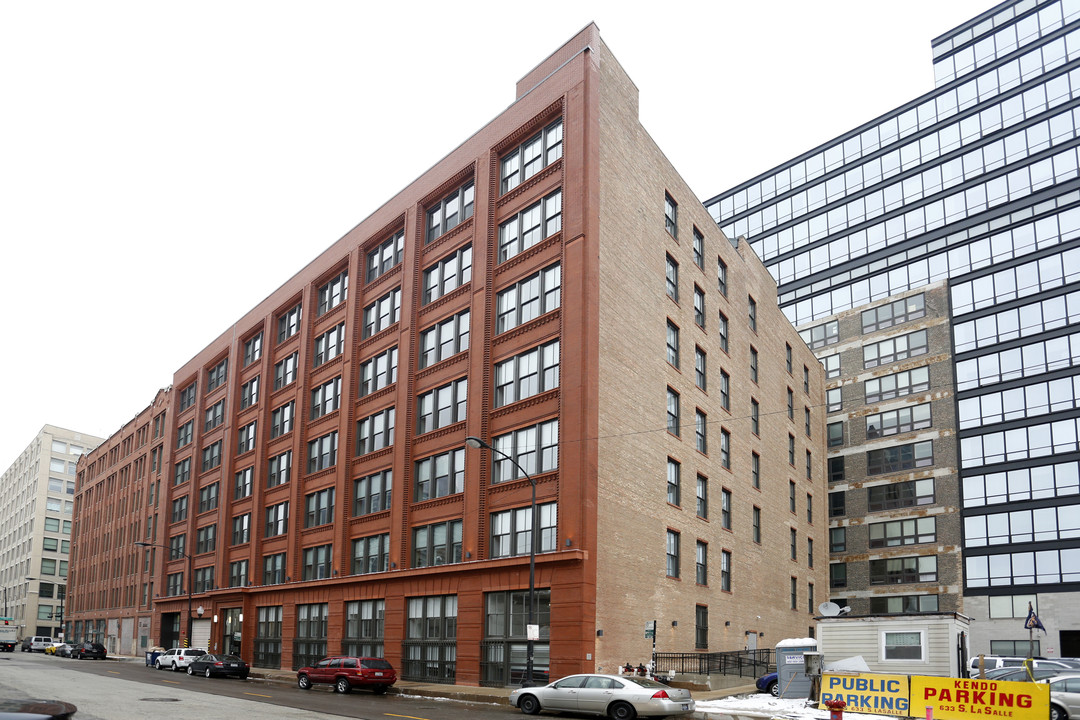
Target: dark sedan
pixel 88 651
pixel 211 665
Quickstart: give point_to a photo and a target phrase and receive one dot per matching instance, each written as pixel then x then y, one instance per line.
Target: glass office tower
pixel 931 257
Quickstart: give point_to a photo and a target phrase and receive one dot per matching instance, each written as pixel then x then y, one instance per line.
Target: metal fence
pixel 743 663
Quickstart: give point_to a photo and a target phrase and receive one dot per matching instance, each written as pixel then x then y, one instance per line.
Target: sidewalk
pixel 465 693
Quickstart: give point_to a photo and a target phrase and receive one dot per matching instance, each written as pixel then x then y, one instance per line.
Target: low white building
pixel 903 644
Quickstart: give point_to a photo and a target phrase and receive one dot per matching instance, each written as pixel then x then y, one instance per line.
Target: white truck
pixel 8 632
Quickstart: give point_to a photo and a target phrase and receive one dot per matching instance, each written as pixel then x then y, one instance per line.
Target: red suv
pixel 346 673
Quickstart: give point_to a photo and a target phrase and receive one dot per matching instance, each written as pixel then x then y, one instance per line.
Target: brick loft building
pixel 554 288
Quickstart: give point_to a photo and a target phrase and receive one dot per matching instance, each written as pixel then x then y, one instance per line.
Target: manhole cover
pixel 159 699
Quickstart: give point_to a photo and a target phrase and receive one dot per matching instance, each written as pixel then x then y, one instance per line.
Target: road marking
pixel 258 695
pixel 411 717
pixel 114 672
pixel 171 682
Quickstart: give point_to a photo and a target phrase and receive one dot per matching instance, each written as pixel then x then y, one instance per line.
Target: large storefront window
pixel 429 653
pixel 310 644
pixel 268 638
pixel 364 628
pixel 505 645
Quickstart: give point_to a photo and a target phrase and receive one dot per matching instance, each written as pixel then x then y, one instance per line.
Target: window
pixel 837 539
pixel 701 566
pixel 285 371
pixel 753 364
pixel 810 553
pixel 187 397
pixel 371 554
pixel 441 407
pixel 892 496
pixel 241 529
pixel 809 465
pixel 184 433
pixel 903 570
pixel 375 432
pixel 252 349
pixel 919 603
pixel 700 372
pixel 755 521
pixel 701 627
pixel 794 541
pixel 701 426
pixel 332 293
pixel 903 645
pixel 535 448
pixel 249 393
pixel 722 332
pixel 246 438
pixel 217 375
pixel 896 533
pixel 831 364
pixel 897 385
pixel 894 313
pixel 511 530
pixel 443 340
pixel 206 539
pixel 326 398
pixel 671 216
pixel 531 156
pixel 755 470
pixel 900 457
pixel 289 323
pixel 319 508
pixel 529 299
pixel 1012 606
pixel 382 313
pixel 790 404
pixel 211 456
pixel 439 475
pixel 214 416
pixel 317 562
pixel 794 594
pixel 787 357
pixel 452 210
pixel 436 544
pixel 755 417
pixel 672 412
pixel 273 570
pixel 837 575
pixel 242 483
pixel 176 546
pixel 725 449
pixel 901 420
pixel 536 222
pixel 530 373
pixel 809 508
pixel 279 469
pixel 672 554
pixel 386 256
pixel 380 371
pixel 671 279
pixel 791 450
pixel 837 504
pixel 751 312
pixel 182 471
pixel 699 307
pixel 791 496
pixel 447 275
pixel 834 400
pixel 836 469
pixel 322 452
pixel 725 390
pixel 699 248
pixel 721 276
pixel 725 509
pixel 702 497
pixel 281 420
pixel 725 570
pixel 822 335
pixel 674 470
pixel 810 597
pixel 894 349
pixel 277 519
pixel 208 500
pixel 329 345
pixel 806 420
pixel 672 344
pixel 371 494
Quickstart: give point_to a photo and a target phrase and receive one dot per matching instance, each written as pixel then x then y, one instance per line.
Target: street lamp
pixel 530 629
pixel 173 551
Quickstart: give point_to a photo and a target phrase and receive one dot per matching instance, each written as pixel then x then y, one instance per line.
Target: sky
pixel 164 166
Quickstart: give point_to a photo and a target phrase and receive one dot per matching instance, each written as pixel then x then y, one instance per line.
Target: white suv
pixel 178 659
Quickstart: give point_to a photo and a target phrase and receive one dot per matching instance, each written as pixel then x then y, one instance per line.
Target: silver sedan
pixel 622 697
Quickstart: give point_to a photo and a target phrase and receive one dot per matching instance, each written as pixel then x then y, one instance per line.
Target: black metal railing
pixel 433 662
pixel 743 663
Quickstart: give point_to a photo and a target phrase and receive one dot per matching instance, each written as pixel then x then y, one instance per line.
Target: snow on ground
pixel 765 705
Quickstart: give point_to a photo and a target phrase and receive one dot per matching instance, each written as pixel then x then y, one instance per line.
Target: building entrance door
pixel 230 628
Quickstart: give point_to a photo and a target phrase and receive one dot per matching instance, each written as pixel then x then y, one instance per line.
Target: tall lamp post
pixel 531 631
pixel 190 579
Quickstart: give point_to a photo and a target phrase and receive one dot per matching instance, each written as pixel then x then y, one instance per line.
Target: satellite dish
pixel 829 609
pixel 845 610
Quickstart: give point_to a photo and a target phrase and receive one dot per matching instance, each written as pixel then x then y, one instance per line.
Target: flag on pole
pixel 1033 622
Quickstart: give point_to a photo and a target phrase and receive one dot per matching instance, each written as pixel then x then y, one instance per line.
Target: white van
pixel 36 643
pixel 999 661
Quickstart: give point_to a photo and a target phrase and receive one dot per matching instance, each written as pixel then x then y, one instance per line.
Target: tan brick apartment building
pixel 553 287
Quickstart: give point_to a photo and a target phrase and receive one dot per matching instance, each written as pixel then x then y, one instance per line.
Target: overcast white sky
pixel 164 166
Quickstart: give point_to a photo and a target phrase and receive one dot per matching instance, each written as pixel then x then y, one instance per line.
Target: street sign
pixel 650 629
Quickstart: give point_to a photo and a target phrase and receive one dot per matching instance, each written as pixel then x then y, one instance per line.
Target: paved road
pixel 107 690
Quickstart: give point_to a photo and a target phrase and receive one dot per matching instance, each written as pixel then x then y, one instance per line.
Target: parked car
pixel 769 683
pixel 346 673
pixel 178 659
pixel 88 651
pixel 50 649
pixel 994 662
pixel 1020 674
pixel 36 643
pixel 1064 697
pixel 622 697
pixel 211 665
pixel 64 650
